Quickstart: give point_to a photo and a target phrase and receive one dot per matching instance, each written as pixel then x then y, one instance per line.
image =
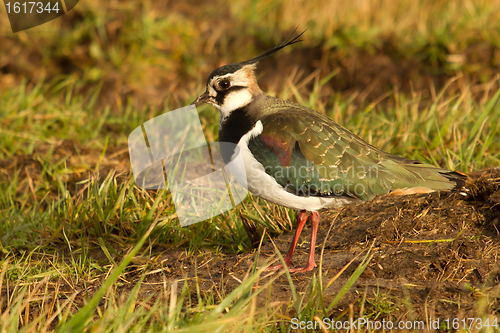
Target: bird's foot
pixel 310 261
pixel 307 268
pixel 277 267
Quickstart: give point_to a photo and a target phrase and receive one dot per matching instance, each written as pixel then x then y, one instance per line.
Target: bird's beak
pixel 202 99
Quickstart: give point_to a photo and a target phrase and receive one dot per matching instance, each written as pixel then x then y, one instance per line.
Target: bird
pixel 301 159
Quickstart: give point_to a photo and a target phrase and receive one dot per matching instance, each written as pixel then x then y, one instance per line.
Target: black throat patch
pixel 237 124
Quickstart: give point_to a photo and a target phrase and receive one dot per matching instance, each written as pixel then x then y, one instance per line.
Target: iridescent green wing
pixel 309 154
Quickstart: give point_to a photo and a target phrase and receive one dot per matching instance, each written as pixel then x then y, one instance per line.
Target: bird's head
pixel 230 87
pixel 234 86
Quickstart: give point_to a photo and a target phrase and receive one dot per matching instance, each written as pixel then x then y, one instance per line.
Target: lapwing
pixel 298 158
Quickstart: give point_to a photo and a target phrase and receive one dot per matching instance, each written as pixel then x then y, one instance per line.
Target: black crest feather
pixel 276 48
pixel 231 68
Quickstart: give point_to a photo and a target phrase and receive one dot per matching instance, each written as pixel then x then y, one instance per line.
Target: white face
pixel 234 101
pixel 232 90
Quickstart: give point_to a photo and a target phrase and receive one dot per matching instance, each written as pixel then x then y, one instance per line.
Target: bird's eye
pixel 224 84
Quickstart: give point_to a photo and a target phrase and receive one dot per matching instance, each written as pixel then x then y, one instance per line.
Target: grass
pixel 67 108
pixel 235 311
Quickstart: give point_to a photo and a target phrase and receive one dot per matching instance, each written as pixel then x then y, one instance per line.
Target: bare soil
pixel 434 255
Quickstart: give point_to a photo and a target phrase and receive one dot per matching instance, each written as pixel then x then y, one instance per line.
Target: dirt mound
pixel 434 254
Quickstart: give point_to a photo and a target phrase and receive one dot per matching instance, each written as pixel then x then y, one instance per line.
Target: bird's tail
pixel 417 177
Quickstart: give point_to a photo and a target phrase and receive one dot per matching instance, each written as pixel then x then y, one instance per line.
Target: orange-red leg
pixel 289 255
pixel 310 262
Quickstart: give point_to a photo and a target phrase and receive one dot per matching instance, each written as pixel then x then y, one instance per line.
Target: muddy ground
pixel 434 256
